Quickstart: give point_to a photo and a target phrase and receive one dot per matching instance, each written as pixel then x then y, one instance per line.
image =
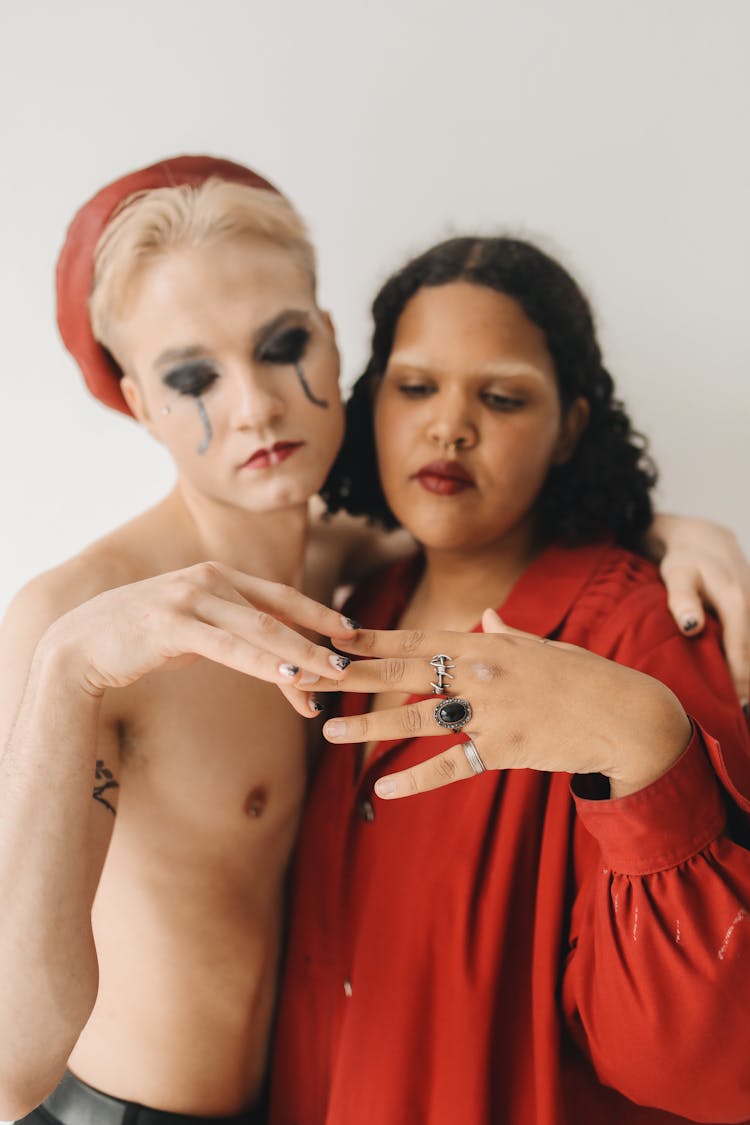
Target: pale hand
pixel 702 565
pixel 536 704
pixel 207 610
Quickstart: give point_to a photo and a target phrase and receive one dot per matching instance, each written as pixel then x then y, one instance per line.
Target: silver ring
pixel 453 713
pixel 472 756
pixel 441 663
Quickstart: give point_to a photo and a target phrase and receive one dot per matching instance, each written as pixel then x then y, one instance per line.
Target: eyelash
pixel 503 404
pixel 287 348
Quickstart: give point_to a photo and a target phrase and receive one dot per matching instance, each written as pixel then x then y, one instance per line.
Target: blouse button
pixel 367 811
pixel 347 989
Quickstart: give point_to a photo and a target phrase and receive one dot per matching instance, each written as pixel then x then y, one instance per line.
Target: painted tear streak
pixel 728 935
pixel 207 431
pixel 322 402
pixel 635 925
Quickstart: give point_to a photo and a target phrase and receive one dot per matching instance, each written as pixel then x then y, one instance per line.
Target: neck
pixel 265 544
pixel 459 584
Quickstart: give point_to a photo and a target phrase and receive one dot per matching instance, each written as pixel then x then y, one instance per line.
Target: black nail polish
pixel 746 709
pixel 316 705
pixel 352 623
pixel 342 662
pixel 689 625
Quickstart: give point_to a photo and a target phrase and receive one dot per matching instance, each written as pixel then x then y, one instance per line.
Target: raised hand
pixel 534 703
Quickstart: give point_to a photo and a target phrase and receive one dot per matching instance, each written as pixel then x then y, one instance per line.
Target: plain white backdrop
pixel 614 132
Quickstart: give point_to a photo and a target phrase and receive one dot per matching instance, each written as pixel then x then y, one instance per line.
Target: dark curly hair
pixel 605 487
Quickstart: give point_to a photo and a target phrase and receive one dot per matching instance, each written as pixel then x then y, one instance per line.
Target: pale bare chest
pixel 188 914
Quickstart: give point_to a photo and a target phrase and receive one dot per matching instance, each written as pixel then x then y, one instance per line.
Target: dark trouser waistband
pixel 75 1103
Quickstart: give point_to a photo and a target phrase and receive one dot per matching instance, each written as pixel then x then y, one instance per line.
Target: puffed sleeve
pixel 656 988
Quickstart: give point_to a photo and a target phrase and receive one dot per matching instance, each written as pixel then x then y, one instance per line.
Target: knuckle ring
pixel 442 665
pixel 453 713
pixel 473 757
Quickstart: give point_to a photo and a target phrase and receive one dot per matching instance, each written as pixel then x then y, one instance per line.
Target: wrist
pixel 659 736
pixel 60 669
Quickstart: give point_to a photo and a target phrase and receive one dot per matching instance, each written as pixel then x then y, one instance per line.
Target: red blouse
pixel 508 950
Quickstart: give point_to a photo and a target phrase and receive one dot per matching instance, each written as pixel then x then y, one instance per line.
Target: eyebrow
pixel 179 355
pixel 266 331
pixel 505 369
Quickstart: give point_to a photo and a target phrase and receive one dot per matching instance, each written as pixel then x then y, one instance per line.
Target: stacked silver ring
pixel 442 665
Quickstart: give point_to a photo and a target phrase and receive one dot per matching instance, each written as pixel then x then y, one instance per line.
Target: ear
pixel 133 395
pixel 574 422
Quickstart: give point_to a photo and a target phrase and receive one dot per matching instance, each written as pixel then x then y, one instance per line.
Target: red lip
pixel 278 452
pixel 444 478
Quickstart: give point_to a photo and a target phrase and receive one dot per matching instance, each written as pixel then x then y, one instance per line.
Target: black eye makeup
pixel 285 346
pixel 192 379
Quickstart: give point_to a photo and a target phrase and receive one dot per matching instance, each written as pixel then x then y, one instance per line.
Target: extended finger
pixel 443 769
pixel 289 605
pixel 684 597
pixel 404 643
pixel 414 677
pixel 300 659
pixel 303 702
pixel 201 638
pixel 409 721
pixel 736 641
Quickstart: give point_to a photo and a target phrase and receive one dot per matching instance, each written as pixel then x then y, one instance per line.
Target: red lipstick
pixel 267 458
pixel 444 478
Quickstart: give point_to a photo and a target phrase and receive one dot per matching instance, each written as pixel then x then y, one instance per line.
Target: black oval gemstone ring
pixel 453 713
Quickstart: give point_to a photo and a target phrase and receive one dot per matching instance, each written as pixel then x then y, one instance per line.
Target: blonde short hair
pixel 150 222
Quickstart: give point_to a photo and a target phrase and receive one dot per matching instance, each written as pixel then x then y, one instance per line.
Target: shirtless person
pixel 205 296
pixel 162 994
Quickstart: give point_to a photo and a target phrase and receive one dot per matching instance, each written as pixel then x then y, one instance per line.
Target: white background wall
pixel 615 131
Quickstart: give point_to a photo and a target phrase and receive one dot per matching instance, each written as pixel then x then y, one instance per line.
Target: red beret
pixel 75 266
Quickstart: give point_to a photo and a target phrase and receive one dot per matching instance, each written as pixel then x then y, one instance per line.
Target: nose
pixel 451 426
pixel 257 404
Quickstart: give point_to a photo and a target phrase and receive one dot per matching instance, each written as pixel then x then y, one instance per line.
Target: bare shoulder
pixel 353 545
pixel 116 559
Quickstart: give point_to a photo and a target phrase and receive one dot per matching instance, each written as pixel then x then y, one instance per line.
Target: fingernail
pixel 350 623
pixel 315 705
pixel 289 670
pixel 307 678
pixel 334 728
pixel 339 662
pixel 385 787
pixel 689 624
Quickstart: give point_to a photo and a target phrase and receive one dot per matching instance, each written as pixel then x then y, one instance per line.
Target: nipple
pixel 256 801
